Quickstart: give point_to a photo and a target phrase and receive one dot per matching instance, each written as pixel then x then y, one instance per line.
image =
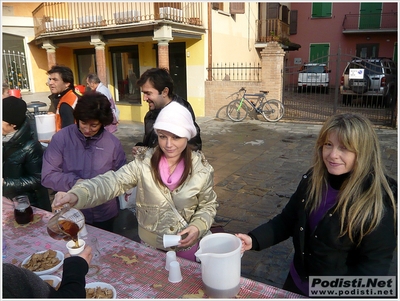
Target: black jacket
pixel 22 166
pixel 150 138
pixel 23 283
pixel 321 252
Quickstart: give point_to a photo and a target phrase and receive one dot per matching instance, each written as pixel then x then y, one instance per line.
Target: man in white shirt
pixel 94 83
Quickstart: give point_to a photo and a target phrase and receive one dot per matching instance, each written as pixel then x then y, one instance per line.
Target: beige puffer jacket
pixel 195 199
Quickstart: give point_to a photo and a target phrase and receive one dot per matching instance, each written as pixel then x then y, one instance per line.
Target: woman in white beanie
pixel 175 192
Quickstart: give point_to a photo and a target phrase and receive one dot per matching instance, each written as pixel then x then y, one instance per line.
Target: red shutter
pixel 236 8
pixel 217 5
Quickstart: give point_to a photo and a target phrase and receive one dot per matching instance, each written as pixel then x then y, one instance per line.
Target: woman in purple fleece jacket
pixel 83 151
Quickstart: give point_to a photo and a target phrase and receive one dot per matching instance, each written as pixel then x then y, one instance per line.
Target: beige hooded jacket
pixel 195 199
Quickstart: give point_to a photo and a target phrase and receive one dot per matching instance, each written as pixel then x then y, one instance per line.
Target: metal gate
pixel 15 73
pixel 318 103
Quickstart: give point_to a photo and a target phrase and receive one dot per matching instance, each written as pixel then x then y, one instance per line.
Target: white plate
pixel 59 255
pixel 56 280
pixel 102 285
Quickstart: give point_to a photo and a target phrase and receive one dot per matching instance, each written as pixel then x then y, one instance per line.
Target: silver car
pixel 369 77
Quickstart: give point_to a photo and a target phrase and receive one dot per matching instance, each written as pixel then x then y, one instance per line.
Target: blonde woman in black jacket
pixel 22 156
pixel 342 216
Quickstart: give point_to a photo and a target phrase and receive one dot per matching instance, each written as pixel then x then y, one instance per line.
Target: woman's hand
pixel 135 150
pixel 247 242
pixel 191 238
pixel 62 198
pixel 86 254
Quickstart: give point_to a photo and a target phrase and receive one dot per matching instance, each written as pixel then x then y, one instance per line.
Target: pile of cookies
pixel 42 261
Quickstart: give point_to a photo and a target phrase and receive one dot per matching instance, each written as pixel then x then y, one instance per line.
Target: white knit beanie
pixel 176 119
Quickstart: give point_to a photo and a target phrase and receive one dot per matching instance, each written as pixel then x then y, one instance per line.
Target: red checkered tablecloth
pixel 134 270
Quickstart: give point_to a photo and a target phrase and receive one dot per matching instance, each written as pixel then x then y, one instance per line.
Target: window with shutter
pixel 319 53
pixel 285 14
pixel 321 10
pixel 236 8
pixel 293 22
pixel 217 5
pixel 273 11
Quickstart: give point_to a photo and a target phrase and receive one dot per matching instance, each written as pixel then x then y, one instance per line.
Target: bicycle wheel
pixel 273 110
pixel 236 110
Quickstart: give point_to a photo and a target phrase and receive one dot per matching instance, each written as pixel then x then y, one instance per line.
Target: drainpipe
pixel 209 21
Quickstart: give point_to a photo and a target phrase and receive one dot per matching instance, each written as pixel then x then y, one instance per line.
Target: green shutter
pixel 321 10
pixel 319 53
pixel 370 15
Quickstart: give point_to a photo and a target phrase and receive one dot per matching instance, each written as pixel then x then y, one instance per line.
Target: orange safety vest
pixel 70 98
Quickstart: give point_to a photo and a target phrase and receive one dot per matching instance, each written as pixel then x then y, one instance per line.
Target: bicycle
pixel 272 110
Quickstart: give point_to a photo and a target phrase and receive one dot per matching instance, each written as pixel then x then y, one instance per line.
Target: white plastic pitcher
pixel 220 258
pixel 45 126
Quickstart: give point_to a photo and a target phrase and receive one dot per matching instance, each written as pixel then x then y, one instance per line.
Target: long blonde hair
pixel 360 201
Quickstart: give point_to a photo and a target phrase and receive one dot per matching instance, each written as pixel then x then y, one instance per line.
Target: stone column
pixel 97 42
pixel 163 35
pixel 51 53
pixel 272 68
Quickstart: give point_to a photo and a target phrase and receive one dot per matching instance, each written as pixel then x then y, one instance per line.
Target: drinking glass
pixel 93 242
pixel 23 212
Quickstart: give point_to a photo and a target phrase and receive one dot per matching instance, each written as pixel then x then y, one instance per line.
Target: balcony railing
pixel 68 16
pixel 272 30
pixel 357 23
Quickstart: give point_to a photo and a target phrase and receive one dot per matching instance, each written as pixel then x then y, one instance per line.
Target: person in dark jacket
pixel 342 217
pixel 158 90
pixel 22 156
pixel 23 283
pixel 85 150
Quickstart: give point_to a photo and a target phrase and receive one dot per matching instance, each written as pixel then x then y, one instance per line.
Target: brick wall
pixel 101 65
pixel 272 66
pixel 163 58
pixel 219 93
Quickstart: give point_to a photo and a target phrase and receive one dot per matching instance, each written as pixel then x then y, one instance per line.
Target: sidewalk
pixel 258 166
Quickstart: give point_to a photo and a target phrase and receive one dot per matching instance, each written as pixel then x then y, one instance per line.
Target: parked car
pixel 369 77
pixel 313 75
